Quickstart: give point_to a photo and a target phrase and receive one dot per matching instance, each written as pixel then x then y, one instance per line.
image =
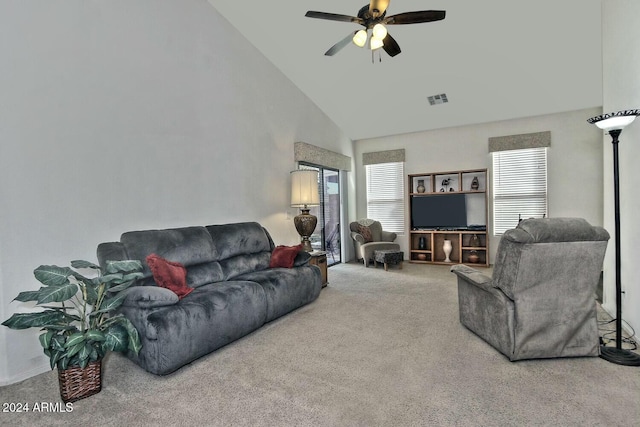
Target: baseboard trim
pixel 21 376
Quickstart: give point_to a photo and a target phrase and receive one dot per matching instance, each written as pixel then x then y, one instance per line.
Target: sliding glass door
pixel 327 234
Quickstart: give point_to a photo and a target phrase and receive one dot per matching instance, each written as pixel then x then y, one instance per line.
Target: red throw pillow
pixel 366 233
pixel 170 275
pixel 283 256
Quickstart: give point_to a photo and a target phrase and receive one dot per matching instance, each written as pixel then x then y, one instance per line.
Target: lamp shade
pixel 379 31
pixel 615 121
pixel 304 188
pixel 376 43
pixel 360 38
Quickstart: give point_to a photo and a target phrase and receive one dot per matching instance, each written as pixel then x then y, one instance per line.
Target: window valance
pixel 388 156
pixel 308 153
pixel 519 142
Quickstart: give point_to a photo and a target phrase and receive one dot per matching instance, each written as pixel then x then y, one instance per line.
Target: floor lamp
pixel 613 123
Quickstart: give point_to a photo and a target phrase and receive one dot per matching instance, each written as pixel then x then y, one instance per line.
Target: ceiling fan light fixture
pixel 376 43
pixel 373 17
pixel 379 31
pixel 360 38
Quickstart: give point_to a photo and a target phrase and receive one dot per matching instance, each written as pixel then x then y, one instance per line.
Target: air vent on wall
pixel 438 99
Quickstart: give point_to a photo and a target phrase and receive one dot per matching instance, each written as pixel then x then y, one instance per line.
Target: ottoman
pixel 387 257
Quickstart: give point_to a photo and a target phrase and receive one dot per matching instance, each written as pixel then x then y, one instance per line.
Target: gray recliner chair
pixel 368 236
pixel 540 302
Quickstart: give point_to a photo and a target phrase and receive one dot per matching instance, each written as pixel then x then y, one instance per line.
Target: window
pixel 519 187
pixel 385 195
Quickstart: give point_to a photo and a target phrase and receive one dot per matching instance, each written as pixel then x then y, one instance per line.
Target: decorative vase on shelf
pixel 474 242
pixel 473 257
pixel 446 247
pixel 421 188
pixel 475 184
pixel 445 184
pixel 422 243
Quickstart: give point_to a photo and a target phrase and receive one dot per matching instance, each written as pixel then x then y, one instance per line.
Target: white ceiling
pixel 495 60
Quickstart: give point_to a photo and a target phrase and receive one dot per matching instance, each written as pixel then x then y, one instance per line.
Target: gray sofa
pixel 541 300
pixel 235 290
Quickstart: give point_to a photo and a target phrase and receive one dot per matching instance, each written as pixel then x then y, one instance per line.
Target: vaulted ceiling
pixel 494 59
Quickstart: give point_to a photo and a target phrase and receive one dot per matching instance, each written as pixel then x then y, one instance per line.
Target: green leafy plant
pixel 77 320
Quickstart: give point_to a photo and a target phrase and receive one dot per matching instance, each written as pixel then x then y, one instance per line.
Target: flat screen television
pixel 439 211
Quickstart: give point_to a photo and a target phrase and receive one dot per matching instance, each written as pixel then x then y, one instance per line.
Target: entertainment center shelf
pixel 449 206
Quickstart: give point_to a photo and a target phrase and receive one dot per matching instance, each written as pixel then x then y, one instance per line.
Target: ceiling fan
pixel 373 18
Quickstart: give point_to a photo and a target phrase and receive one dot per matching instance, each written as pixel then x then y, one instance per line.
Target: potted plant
pixel 79 325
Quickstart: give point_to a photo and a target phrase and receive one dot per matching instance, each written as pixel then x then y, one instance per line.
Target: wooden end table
pixel 319 258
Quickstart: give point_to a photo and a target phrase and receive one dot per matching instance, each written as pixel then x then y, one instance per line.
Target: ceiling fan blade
pixel 340 45
pixel 333 17
pixel 391 46
pixel 415 17
pixel 378 7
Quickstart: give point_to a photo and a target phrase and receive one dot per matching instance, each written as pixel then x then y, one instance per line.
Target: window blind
pixel 385 195
pixel 519 187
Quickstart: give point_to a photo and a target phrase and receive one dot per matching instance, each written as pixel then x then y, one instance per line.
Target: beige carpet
pixel 376 349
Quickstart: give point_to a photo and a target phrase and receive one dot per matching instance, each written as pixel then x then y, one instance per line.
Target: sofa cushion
pixel 241 264
pixel 283 256
pixel 203 274
pixel 188 245
pixel 230 240
pixel 170 275
pixel 287 288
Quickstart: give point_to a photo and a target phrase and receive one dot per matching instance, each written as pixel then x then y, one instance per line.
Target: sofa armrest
pixel 472 276
pixel 388 236
pixel 110 251
pixel 301 259
pixel 149 297
pixel 357 237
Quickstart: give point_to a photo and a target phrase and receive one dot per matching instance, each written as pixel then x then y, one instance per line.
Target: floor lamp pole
pixel 613 123
pixel 617 354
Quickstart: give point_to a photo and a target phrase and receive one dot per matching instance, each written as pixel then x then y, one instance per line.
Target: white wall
pixel 574 160
pixel 621 91
pixel 120 115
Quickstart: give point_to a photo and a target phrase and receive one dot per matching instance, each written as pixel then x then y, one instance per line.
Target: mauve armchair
pixel 540 302
pixel 368 236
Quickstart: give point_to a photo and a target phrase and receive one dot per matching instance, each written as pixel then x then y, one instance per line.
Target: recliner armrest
pixel 357 237
pixel 149 297
pixel 473 276
pixel 302 258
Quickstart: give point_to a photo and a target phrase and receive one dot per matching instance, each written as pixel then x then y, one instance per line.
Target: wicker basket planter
pixel 77 383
